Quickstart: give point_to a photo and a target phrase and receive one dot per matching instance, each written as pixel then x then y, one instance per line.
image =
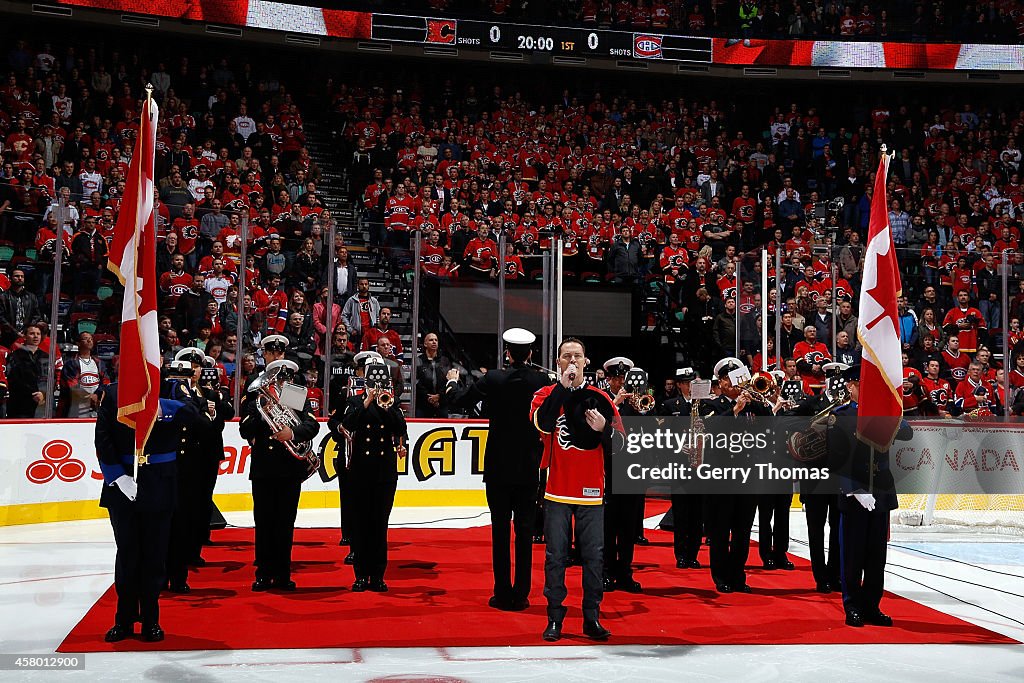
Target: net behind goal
pixel 972 513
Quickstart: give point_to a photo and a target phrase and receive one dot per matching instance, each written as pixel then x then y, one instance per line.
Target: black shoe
pixel 198 562
pixel 609 584
pixel 629 585
pixel 594 630
pixel 260 585
pixel 641 540
pixel 694 564
pixel 785 564
pixel 744 588
pixel 286 585
pixel 503 605
pixel 345 540
pixel 152 633
pixel 350 558
pixel 179 588
pixel 117 633
pixel 768 564
pixel 682 564
pixel 520 605
pixel 553 632
pixel 360 585
pixel 853 618
pixel 878 619
pixel 823 588
pixel 378 586
pixel 723 588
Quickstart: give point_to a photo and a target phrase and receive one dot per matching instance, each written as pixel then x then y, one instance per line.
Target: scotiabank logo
pixel 55 463
pixel 441 31
pixel 646 46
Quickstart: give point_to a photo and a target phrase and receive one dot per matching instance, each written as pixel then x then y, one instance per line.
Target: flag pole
pixel 145 112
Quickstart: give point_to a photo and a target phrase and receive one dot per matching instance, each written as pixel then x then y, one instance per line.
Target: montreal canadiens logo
pixel 647 46
pixel 89 380
pixel 179 290
pixel 958 373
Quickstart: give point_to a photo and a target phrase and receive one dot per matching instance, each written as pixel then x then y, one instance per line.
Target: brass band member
pixel 275 473
pixel 687 508
pixel 622 512
pixel 378 430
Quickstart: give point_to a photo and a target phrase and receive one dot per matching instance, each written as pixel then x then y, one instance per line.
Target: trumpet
pixel 642 403
pixel 385 399
pixel 760 387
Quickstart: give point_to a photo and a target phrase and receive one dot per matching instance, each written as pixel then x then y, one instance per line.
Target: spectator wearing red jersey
pixel 954 360
pixel 481 254
pixel 967 322
pixel 975 396
pixel 810 355
pixel 382 329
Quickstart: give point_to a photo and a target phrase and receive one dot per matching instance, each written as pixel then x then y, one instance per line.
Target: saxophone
pixel 696 433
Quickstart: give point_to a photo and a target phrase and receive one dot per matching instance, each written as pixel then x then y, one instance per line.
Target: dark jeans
pixel 512 508
pixel 773 526
pixel 275 502
pixel 822 509
pixel 688 518
pixel 558 531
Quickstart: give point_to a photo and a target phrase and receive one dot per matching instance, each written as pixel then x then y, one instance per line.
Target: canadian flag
pixel 880 409
pixel 133 259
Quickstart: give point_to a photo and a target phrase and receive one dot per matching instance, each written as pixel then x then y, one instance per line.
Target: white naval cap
pixel 517 336
pixel 282 364
pixel 190 354
pixel 274 340
pixel 685 375
pixel 362 358
pixel 611 366
pixel 835 367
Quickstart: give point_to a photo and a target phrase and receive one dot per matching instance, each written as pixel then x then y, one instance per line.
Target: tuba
pixel 271 386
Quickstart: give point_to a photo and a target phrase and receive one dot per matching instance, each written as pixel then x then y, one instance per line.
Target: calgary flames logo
pixel 815 358
pixel 56 462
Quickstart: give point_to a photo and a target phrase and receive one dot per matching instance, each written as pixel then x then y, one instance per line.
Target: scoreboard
pixel 553 40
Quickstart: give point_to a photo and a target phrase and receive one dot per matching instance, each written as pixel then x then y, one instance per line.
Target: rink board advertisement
pixel 50 473
pixel 49 469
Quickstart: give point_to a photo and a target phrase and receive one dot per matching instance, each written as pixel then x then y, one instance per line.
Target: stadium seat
pixel 83 322
pixel 63 305
pixel 106 346
pixel 87 303
pixel 6 252
pixel 104 292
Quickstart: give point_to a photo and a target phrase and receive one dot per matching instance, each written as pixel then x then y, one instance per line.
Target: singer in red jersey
pixel 577 423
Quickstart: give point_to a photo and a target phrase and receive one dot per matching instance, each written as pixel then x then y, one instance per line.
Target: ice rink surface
pixel 51 574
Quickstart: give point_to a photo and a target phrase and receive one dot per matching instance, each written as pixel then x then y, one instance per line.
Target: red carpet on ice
pixel 440 580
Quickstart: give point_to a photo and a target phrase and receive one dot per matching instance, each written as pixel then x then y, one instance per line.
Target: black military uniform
pixel 729 517
pixel 820 508
pixel 687 508
pixel 141 525
pixel 199 455
pixel 343 369
pixel 622 512
pixel 867 496
pixel 277 478
pixel 511 464
pixel 373 477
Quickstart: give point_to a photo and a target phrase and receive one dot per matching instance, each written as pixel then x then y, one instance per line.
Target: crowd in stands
pixel 677 193
pixel 918 20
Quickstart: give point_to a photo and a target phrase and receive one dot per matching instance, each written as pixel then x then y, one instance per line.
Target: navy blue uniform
pixel 141 527
pixel 863 534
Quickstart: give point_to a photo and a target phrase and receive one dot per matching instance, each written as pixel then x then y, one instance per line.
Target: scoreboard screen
pixel 561 41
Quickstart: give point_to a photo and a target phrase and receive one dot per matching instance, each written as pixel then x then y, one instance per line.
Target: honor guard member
pixel 578 424
pixel 184 533
pixel 823 508
pixel 377 427
pixel 622 512
pixel 275 473
pixel 729 517
pixel 140 508
pixel 773 508
pixel 511 462
pixel 353 387
pixel 867 494
pixel 687 508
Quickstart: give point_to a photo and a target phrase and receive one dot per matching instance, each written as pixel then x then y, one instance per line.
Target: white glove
pixel 866 500
pixel 128 487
